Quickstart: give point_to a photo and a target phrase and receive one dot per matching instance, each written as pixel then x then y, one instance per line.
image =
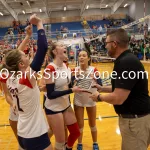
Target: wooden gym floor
pixel 107 122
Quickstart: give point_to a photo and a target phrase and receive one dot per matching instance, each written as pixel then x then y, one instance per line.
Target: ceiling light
pixel 1 13
pixel 23 12
pixel 28 3
pixel 125 5
pixel 65 8
pixel 87 7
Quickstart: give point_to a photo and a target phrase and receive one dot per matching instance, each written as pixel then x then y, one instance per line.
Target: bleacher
pixel 73 27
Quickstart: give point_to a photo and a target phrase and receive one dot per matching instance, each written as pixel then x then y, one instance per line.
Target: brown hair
pixel 11 60
pixel 51 48
pixel 120 35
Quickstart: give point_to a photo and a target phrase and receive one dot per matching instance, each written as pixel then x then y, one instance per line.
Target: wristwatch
pixel 98 98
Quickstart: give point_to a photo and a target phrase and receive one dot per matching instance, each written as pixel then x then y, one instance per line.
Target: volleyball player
pixel 32 127
pixel 82 100
pixel 13 116
pixel 57 105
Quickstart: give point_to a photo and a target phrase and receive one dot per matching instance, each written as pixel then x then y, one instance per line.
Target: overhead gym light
pixel 65 8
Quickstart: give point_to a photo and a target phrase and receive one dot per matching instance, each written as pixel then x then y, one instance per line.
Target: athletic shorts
pixel 50 112
pixel 37 143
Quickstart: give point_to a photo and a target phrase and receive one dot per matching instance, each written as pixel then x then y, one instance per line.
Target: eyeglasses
pixel 111 42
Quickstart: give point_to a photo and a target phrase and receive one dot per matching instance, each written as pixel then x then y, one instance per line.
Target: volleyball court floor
pixel 107 122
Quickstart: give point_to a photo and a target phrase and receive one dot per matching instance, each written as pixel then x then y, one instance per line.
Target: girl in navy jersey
pixel 32 127
pixel 82 100
pixel 57 105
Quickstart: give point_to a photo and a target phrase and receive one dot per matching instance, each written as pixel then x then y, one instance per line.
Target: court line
pixel 105 117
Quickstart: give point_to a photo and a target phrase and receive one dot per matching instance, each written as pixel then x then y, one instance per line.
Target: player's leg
pixel 91 112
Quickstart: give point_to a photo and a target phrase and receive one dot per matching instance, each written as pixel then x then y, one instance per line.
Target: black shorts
pixel 37 143
pixel 50 112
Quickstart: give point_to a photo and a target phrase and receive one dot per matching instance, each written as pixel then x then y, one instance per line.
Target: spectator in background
pixel 100 29
pixel 145 30
pixel 14 24
pixel 34 48
pixel 61 28
pixel 71 54
pixel 27 22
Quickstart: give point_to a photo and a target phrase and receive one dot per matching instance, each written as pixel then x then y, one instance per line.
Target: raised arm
pixel 36 64
pixel 22 46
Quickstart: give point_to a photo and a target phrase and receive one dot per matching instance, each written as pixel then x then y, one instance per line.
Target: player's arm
pixel 7 95
pixel 22 46
pixel 42 85
pixel 37 62
pixel 50 86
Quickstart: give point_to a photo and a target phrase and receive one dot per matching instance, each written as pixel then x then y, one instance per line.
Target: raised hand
pixel 28 30
pixel 35 20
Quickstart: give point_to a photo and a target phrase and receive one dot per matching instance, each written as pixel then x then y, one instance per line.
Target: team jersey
pixel 82 99
pixel 61 84
pixel 12 116
pixel 31 121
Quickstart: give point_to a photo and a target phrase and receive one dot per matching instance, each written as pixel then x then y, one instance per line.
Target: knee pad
pixel 81 130
pixel 93 129
pixel 60 145
pixel 74 134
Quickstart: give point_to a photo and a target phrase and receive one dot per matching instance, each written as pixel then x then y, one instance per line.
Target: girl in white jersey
pixel 82 100
pixel 32 127
pixel 57 105
pixel 13 116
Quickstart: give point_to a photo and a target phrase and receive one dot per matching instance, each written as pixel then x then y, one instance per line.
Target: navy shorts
pixel 50 112
pixel 37 143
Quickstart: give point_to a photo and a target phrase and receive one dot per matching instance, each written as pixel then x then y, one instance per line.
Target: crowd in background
pixel 96 46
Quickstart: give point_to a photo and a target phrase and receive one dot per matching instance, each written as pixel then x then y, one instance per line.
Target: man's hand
pixel 94 96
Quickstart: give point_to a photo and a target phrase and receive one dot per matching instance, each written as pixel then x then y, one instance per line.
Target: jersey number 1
pixel 20 109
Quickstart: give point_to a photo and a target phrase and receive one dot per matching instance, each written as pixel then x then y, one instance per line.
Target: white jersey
pixel 82 99
pixel 61 84
pixel 12 116
pixel 31 121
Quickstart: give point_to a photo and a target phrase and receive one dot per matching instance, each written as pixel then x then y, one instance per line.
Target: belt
pixel 132 116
